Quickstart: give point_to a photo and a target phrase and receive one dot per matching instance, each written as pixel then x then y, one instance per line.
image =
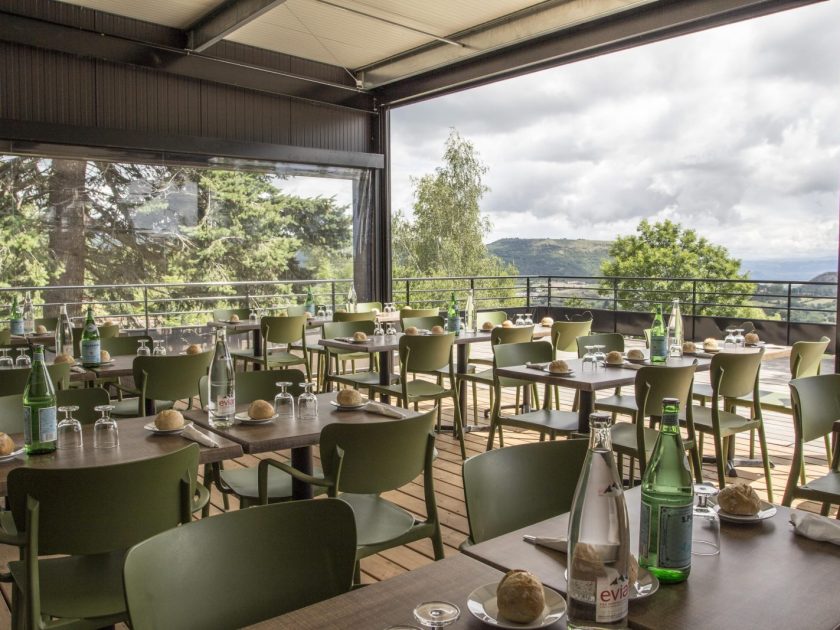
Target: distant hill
pixel 552 256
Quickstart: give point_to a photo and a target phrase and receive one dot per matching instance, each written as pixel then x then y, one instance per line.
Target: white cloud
pixel 734 131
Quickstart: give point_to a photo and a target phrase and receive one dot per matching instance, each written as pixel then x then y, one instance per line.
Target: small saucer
pixel 244 418
pixel 151 427
pixel 482 604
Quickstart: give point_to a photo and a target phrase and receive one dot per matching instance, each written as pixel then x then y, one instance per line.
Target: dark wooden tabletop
pixel 384 343
pixel 120 365
pixel 765 576
pixel 277 435
pixel 391 602
pixel 135 443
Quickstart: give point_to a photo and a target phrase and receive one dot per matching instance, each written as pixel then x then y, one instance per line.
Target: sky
pixel 733 131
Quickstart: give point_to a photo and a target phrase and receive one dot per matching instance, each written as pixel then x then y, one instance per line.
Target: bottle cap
pixel 670 401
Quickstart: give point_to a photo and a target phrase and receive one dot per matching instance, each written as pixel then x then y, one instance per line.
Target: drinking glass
pixel 387 308
pixel 705 532
pixel 436 614
pixel 23 360
pixel 739 337
pixel 308 403
pixel 143 349
pixel 322 311
pixel 589 358
pixel 69 429
pixel 105 434
pixel 600 356
pixel 253 317
pixel 377 328
pixel 730 341
pixel 529 319
pixel 6 362
pixel 328 313
pixel 158 350
pixel 284 402
pixel 520 320
pixel 390 330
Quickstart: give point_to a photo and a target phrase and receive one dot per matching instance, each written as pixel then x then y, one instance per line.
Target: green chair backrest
pixel 250 386
pixel 288 329
pixel 494 317
pixel 564 334
pixel 105 332
pixel 510 488
pixel 510 354
pixel 417 312
pixel 806 356
pixel 377 456
pixel 422 323
pixel 653 383
pixel 646 331
pixel 170 377
pixel 354 317
pixel 362 307
pixel 610 341
pixel 518 334
pixel 5 337
pixel 425 353
pixel 13 381
pixel 86 398
pixel 123 346
pixel 294 310
pixel 735 375
pixel 816 405
pixel 241 567
pixel 49 323
pixel 11 413
pixel 223 314
pixel 101 509
pixel 332 330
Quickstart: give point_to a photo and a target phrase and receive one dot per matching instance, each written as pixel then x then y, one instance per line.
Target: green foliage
pixel 552 256
pixel 653 261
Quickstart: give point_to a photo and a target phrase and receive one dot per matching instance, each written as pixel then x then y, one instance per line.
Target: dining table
pixel 135 443
pixel 765 576
pixel 298 435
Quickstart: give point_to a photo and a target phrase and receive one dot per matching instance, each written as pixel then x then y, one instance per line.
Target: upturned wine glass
pixel 390 331
pixel 69 429
pixel 436 614
pixel 253 317
pixel 520 320
pixel 284 402
pixel 6 362
pixel 308 403
pixel 740 341
pixel 105 433
pixel 23 360
pixel 589 358
pixel 158 350
pixel 529 319
pixel 600 355
pixel 143 349
pixel 730 341
pixel 322 311
pixel 377 328
pixel 705 533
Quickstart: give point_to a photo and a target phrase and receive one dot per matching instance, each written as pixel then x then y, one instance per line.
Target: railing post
pixel 789 301
pixel 146 307
pixel 407 292
pixel 694 309
pixel 528 292
pixel 548 292
pixel 332 295
pixel 615 304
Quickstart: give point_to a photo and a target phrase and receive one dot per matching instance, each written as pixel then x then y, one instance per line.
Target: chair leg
pixel 475 402
pixel 765 458
pixel 720 456
pixel 752 443
pixel 437 543
pixel 459 426
pixel 632 474
pixel 802 478
pixel 828 448
pixel 357 573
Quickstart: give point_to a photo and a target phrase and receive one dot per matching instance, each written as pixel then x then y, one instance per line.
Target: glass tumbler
pixel 705 532
pixel 105 433
pixel 307 403
pixel 69 429
pixel 284 403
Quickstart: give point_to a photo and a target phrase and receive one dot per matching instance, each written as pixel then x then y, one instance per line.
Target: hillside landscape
pixel 552 256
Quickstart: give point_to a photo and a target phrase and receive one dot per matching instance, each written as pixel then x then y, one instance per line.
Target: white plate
pixel 151 427
pixel 548 371
pixel 646 584
pixel 244 418
pixel 614 365
pixel 482 605
pixel 12 455
pixel 80 364
pixel 768 510
pixel 335 404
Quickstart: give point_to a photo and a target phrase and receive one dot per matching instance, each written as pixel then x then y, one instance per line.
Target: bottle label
pixel 454 324
pixel 609 594
pixel 675 536
pixel 225 405
pixel 90 351
pixel 658 346
pixel 644 533
pixel 16 326
pixel 47 424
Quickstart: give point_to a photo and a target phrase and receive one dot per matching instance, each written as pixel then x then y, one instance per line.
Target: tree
pixel 654 262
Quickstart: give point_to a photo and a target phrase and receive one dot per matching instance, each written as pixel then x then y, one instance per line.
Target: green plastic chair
pixel 282 330
pixel 223 314
pixel 363 461
pixel 264 562
pixel 514 487
pixel 336 359
pixel 105 332
pixel 13 381
pixel 294 310
pixel 91 516
pixel 546 421
pixel 164 379
pixel 427 354
pixel 362 307
pixel 124 346
pixel 85 398
pixel 616 403
pixel 816 406
pixel 635 439
pixel 610 341
pixel 494 317
pixel 5 337
pixel 422 323
pixel 11 413
pixel 564 335
pixel 520 334
pixel 732 376
pixel 362 316
pixel 50 323
pixel 417 312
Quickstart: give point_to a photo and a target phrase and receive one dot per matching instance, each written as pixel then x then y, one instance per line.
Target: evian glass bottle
pixel 599 538
pixel 221 399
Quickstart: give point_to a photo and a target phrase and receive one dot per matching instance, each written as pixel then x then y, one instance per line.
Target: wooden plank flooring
pixel 449 489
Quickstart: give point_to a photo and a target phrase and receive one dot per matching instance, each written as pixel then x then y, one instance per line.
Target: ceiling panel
pixel 174 13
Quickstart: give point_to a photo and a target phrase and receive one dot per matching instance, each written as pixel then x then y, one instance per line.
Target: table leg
pixel 257 343
pixel 149 404
pixel 586 404
pixel 461 368
pixel 385 360
pixel 302 461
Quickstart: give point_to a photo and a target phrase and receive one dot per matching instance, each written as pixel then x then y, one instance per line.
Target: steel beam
pixel 224 20
pixel 88 44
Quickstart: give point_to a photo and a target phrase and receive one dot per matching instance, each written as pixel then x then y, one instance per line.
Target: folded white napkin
pixel 384 410
pixel 815 526
pixel 191 433
pixel 78 369
pixel 561 544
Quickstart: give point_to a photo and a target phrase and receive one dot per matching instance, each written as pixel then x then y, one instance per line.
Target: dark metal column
pixel 381 258
pixel 837 316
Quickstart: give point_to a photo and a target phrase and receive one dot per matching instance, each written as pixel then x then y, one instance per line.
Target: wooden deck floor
pixel 449 489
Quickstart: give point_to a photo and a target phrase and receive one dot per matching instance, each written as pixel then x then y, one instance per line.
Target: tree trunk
pixel 68 211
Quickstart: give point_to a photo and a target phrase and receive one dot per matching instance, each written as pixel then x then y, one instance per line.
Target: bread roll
pixel 411 330
pixel 614 357
pixel 558 366
pixel 234 318
pixel 104 356
pixel 6 444
pixel 751 338
pixel 547 321
pixel 260 410
pixel 437 330
pixel 520 596
pixel 40 329
pixel 739 499
pixel 507 324
pixel 193 348
pixel 349 398
pixel 635 354
pixel 689 346
pixel 359 336
pixel 309 315
pixel 169 419
pixel 487 326
pixel 64 357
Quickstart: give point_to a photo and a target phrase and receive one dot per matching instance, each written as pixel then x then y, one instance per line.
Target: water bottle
pixel 15 319
pixel 64 333
pixel 675 330
pixel 352 299
pixel 39 410
pixel 470 313
pixel 221 398
pixel 28 315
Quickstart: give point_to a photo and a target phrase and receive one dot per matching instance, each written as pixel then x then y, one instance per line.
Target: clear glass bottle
pixel 667 503
pixel 64 333
pixel 470 314
pixel 28 315
pixel 309 304
pixel 658 338
pixel 221 395
pixel 91 344
pixel 15 319
pixel 39 408
pixel 599 538
pixel 453 319
pixel 352 299
pixel 675 330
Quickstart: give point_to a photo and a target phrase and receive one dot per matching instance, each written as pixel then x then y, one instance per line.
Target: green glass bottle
pixel 90 341
pixel 454 321
pixel 15 319
pixel 309 305
pixel 667 503
pixel 39 412
pixel 658 338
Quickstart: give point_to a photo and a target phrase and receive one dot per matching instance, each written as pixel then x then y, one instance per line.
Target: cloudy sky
pixel 734 131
